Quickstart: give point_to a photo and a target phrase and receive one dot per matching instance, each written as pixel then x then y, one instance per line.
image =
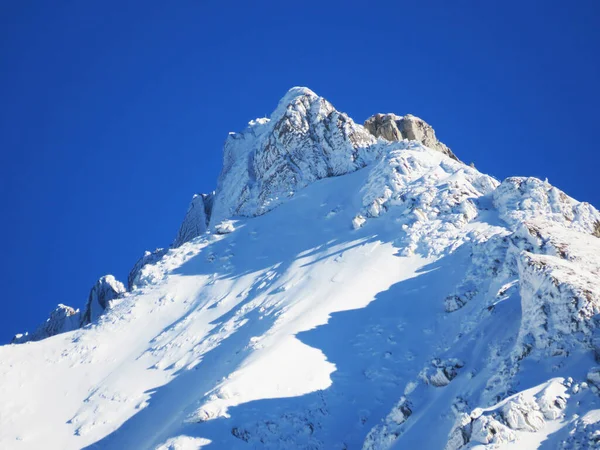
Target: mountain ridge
pixel 291 114
pixel 338 290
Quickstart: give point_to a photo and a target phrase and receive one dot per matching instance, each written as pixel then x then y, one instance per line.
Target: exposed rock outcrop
pixel 396 128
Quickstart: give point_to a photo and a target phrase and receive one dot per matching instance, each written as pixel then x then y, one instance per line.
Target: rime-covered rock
pixel 433 195
pixel 196 219
pixel 62 319
pixel 527 411
pixel 411 301
pixel 304 140
pixel 519 199
pixel 136 276
pixel 385 434
pixel 558 270
pixel 584 433
pixel 65 318
pixel 225 227
pixel 441 372
pixel 106 289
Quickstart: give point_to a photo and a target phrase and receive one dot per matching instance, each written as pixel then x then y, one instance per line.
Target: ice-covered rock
pixel 137 276
pixel 338 319
pixel 432 196
pixel 442 372
pixel 196 219
pixel 304 140
pixel 584 433
pixel 358 221
pixel 523 413
pixel 527 411
pixel 65 318
pixel 488 430
pixel 396 128
pixel 519 199
pixel 225 227
pixel 62 319
pixel 385 434
pixel 560 296
pixel 106 289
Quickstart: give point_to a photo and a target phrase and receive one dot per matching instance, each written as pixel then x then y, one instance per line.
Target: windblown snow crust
pixel 344 288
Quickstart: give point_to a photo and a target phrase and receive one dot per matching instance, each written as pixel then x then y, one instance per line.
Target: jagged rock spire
pixel 62 319
pixel 196 219
pixel 304 140
pixel 106 288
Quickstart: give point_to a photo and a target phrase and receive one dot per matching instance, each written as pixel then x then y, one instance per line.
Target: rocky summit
pixel 345 286
pixel 396 128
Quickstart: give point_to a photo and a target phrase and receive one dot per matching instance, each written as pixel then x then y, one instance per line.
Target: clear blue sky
pixel 112 114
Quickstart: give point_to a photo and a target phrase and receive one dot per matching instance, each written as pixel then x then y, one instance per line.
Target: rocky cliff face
pixel 396 128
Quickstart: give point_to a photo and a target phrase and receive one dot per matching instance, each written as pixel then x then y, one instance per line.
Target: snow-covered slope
pixel 340 290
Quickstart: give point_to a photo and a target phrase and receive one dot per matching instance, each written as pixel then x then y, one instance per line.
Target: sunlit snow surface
pixel 451 315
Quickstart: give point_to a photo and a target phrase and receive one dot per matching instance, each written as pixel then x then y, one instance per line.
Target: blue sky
pixel 113 114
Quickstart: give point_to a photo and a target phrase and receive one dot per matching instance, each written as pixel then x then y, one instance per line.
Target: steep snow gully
pixel 344 287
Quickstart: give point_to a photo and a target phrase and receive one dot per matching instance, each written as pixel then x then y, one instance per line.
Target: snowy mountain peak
pixel 291 96
pixel 297 91
pixel 345 286
pixel 304 140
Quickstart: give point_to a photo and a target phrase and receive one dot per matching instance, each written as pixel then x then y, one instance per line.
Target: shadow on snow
pixel 376 351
